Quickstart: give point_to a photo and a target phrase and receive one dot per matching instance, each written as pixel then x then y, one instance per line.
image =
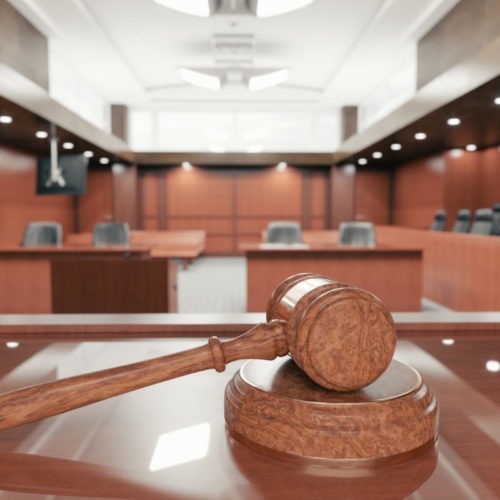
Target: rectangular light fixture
pixel 266 80
pixel 202 79
pixel 200 8
pixel 268 8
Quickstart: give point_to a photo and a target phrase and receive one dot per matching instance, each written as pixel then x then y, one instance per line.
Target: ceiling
pixel 338 53
pixel 130 51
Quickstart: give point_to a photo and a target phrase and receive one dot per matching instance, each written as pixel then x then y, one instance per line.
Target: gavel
pixel 341 336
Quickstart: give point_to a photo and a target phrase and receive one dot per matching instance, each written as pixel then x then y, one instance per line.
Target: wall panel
pixel 418 192
pixel 96 205
pixel 19 203
pixel 125 194
pixel 233 205
pixel 198 192
pixel 372 196
pixel 489 178
pixel 343 197
pixel 269 192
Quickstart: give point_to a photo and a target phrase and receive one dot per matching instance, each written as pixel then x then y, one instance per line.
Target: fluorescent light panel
pixel 268 8
pixel 267 80
pixel 200 79
pixel 200 8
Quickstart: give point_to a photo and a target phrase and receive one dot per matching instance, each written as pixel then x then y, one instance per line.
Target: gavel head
pixel 341 336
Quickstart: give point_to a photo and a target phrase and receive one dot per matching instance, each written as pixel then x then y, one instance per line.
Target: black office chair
pixel 284 232
pixel 495 228
pixel 462 224
pixel 42 233
pixel 358 234
pixel 439 222
pixel 110 233
pixel 483 221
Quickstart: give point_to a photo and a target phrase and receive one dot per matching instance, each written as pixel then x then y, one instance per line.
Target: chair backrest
pixel 360 234
pixel 483 221
pixel 495 228
pixel 42 233
pixel 110 233
pixel 284 232
pixel 439 222
pixel 462 224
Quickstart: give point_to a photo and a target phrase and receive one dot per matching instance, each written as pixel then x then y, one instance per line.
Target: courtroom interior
pixel 319 168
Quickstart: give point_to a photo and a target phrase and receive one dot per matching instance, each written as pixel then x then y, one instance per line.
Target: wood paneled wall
pixel 97 203
pixel 449 181
pixel 233 205
pixel 418 192
pixel 19 203
pixel 372 195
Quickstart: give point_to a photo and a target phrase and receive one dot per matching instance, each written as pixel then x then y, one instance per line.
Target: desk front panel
pixel 86 280
pixel 395 276
pixel 169 441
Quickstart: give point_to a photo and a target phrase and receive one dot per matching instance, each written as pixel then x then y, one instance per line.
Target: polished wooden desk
pixel 185 245
pixel 169 441
pixel 393 274
pixel 85 280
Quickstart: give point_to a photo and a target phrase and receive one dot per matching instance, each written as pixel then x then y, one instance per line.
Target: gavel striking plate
pixel 341 396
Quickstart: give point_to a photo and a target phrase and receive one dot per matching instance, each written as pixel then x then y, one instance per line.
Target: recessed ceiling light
pixel 11 344
pixel 420 136
pixel 186 166
pixel 456 152
pixel 497 100
pixel 471 147
pixel 68 145
pixel 5 119
pixel 349 169
pixel 362 161
pixel 377 154
pixel 41 134
pixel 281 166
pixel 103 160
pixel 88 154
pixel 493 366
pixel 395 146
pixel 453 122
pixel 448 341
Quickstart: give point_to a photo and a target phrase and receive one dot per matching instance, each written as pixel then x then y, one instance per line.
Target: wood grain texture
pixel 273 407
pixel 19 204
pixel 392 274
pixel 25 286
pixel 37 402
pixel 125 195
pixel 109 285
pixel 342 337
pixel 85 280
pixel 460 271
pixel 372 196
pixel 343 196
pixel 97 204
pixel 418 192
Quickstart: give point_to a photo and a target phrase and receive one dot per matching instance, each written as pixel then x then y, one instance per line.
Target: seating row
pixel 486 221
pixel 42 233
pixel 351 233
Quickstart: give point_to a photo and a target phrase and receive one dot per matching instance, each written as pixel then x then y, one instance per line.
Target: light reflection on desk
pixel 107 449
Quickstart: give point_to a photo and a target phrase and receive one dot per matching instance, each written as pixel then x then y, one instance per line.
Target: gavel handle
pixel 264 341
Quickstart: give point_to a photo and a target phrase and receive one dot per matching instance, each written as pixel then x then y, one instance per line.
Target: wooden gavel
pixel 342 337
